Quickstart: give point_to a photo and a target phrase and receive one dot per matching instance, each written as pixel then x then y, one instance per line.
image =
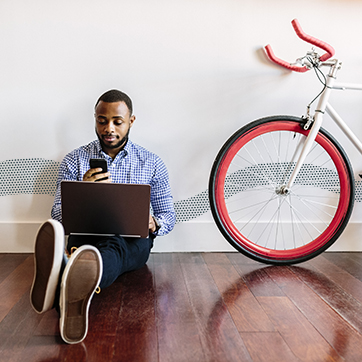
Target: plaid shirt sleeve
pixel 161 199
pixel 134 164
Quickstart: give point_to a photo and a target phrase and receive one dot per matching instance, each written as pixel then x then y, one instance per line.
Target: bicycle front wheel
pixel 250 207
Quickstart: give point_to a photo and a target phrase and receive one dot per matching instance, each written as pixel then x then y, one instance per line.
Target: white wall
pixel 194 70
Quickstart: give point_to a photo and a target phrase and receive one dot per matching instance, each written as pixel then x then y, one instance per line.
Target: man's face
pixel 113 122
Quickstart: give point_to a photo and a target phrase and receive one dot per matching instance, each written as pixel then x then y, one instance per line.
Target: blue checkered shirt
pixel 134 164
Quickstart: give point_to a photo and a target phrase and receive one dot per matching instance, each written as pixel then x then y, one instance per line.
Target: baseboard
pixel 18 237
pixel 204 236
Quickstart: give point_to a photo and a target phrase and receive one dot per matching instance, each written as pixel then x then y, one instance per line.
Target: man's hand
pixel 152 224
pixel 92 176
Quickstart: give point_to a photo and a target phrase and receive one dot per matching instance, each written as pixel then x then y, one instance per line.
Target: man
pixel 98 261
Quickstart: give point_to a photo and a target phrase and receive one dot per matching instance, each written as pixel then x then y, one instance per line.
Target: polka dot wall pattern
pixel 38 176
pixel 28 176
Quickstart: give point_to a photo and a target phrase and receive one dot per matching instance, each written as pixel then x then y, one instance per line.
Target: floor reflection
pixel 278 275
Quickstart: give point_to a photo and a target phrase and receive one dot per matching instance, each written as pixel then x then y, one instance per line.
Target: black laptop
pixel 105 208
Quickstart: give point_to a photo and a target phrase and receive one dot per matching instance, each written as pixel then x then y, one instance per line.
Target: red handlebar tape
pixel 309 39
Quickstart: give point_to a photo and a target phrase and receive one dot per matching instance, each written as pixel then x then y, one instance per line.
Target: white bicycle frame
pixel 322 107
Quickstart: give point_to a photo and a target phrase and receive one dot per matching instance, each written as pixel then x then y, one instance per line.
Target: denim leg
pixel 119 255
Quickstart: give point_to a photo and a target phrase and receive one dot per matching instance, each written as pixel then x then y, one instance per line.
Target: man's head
pixel 115 95
pixel 113 115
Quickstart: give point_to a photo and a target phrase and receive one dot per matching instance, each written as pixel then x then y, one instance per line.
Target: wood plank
pixel 341 277
pixel 49 324
pixel 136 338
pixel 342 302
pixel 241 303
pixel 255 277
pixel 268 347
pixel 218 334
pixel 346 341
pixel 9 262
pixel 356 257
pixel 178 338
pixel 17 328
pixel 52 348
pixel 350 262
pixel 301 337
pixel 15 285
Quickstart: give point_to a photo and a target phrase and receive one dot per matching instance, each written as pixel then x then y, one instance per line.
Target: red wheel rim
pixel 313 245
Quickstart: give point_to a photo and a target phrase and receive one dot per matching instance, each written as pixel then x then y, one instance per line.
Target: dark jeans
pixel 119 254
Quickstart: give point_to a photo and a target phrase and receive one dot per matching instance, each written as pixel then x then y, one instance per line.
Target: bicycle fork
pixel 316 125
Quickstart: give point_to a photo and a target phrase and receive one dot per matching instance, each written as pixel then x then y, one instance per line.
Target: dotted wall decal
pixel 38 176
pixel 192 207
pixel 28 176
pixel 250 177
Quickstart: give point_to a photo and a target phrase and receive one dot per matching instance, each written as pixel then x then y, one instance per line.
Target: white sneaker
pixel 48 258
pixel 80 280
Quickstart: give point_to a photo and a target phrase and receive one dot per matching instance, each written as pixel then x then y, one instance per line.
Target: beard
pixel 120 144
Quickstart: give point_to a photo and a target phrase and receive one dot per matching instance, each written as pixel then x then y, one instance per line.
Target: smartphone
pixel 99 163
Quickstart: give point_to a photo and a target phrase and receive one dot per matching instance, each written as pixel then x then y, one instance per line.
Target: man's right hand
pixel 92 176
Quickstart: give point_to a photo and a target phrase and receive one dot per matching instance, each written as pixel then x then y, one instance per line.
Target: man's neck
pixel 113 152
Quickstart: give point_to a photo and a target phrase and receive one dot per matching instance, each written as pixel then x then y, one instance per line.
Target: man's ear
pixel 132 119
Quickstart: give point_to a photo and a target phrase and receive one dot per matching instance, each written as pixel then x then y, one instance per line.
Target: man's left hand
pixel 152 224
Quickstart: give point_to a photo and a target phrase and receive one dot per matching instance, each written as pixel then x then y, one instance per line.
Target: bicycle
pixel 281 188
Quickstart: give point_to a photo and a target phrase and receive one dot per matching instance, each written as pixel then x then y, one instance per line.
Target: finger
pixel 152 225
pixel 108 180
pixel 92 175
pixel 100 176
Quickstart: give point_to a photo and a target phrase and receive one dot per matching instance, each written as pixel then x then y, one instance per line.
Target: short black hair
pixel 115 95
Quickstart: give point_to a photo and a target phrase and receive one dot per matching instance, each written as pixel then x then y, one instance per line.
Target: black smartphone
pixel 99 163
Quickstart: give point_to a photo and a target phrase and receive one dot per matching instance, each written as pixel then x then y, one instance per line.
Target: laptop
pixel 98 208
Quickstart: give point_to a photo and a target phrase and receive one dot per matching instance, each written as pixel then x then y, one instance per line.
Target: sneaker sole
pixel 48 257
pixel 80 279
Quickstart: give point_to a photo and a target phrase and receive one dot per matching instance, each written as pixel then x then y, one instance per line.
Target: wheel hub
pixel 282 190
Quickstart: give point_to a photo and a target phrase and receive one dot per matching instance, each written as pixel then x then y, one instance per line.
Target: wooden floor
pixel 198 307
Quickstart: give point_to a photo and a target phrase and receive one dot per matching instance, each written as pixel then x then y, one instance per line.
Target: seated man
pixel 98 261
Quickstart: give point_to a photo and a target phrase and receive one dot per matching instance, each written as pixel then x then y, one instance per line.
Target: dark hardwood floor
pixel 198 307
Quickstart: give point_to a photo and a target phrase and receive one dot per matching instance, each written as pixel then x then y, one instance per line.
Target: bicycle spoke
pixel 258 166
pixel 261 210
pixel 297 212
pixel 267 179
